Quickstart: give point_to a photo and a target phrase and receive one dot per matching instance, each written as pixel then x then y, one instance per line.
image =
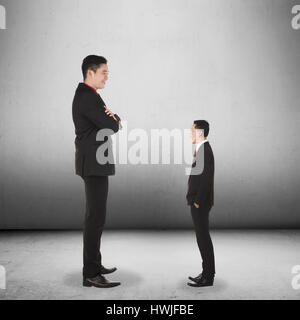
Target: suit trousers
pixel 96 191
pixel 201 224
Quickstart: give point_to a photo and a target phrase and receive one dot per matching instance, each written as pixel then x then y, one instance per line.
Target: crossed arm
pixel 101 117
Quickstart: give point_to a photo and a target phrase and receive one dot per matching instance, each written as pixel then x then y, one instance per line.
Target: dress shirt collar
pixel 90 87
pixel 198 145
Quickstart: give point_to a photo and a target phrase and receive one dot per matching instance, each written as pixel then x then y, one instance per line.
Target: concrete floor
pixel 152 265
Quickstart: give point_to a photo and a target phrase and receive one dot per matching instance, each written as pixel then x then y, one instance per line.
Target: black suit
pixel 201 191
pixel 89 117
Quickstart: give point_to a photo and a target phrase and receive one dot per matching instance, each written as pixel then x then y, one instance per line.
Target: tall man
pixel 200 197
pixel 90 115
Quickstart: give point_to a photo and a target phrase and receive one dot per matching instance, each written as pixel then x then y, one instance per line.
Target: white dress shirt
pixel 198 145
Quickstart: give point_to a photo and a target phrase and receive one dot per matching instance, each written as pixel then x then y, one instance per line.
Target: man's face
pixel 193 133
pixel 99 77
pixel 196 134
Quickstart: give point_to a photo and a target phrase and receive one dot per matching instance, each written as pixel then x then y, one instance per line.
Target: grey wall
pixel 234 63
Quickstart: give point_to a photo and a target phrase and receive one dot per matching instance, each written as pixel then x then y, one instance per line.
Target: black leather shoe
pixel 99 282
pixel 195 279
pixel 104 270
pixel 202 282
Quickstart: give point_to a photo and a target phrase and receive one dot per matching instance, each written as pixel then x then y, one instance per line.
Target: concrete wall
pixel 233 63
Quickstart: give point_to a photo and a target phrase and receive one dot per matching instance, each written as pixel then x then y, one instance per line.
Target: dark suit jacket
pixel 201 180
pixel 89 117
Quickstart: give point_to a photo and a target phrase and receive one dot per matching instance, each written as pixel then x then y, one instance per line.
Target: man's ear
pixel 90 73
pixel 199 132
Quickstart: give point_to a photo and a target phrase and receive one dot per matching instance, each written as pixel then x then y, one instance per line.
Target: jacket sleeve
pixel 93 110
pixel 205 179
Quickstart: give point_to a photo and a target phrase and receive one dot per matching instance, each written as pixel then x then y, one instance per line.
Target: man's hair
pixel 202 124
pixel 92 62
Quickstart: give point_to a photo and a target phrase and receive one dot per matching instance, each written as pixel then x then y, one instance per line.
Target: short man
pixel 200 197
pixel 91 115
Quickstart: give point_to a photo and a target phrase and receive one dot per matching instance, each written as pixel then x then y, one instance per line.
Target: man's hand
pixel 196 205
pixel 109 113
